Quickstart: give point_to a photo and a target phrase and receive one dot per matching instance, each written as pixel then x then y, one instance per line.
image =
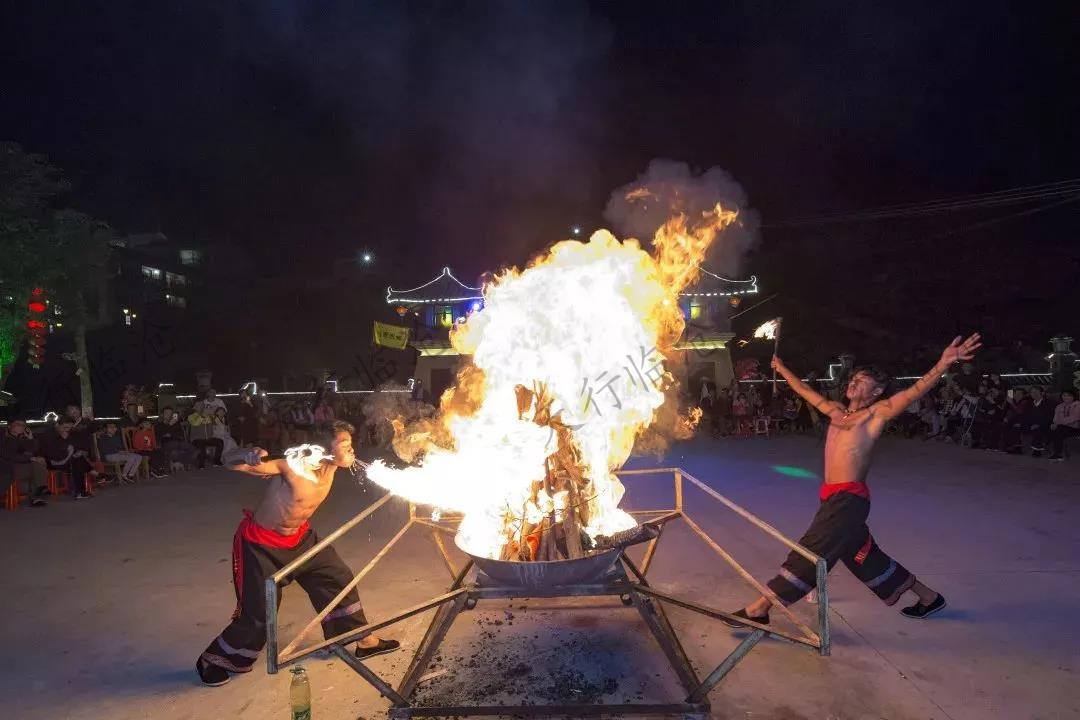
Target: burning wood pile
pixel 551 524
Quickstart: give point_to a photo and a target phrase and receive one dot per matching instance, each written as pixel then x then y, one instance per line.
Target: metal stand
pixel 626 581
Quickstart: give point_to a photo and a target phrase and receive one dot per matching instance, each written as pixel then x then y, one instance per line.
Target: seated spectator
pixel 299 422
pixel 1037 420
pixel 960 417
pixel 946 401
pixel 1066 423
pixel 61 453
pixel 170 437
pixel 144 442
pixel 740 411
pixel 967 379
pixel 1013 427
pixel 989 419
pixel 111 446
pixel 212 402
pixel 201 431
pixel 132 416
pixel 221 430
pixel 19 462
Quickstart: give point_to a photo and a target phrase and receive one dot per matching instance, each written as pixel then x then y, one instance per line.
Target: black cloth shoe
pixel 764 620
pixel 38 502
pixel 918 611
pixel 384 646
pixel 83 496
pixel 211 674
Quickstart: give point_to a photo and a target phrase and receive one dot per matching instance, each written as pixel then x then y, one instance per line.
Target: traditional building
pixel 434 307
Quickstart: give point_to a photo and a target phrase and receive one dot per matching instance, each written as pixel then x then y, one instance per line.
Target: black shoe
pixel 211 674
pixel 41 491
pixel 38 502
pixel 918 611
pixel 1036 453
pixel 384 646
pixel 764 620
pixel 83 496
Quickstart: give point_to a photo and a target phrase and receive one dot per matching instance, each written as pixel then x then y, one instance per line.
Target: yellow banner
pixel 391 336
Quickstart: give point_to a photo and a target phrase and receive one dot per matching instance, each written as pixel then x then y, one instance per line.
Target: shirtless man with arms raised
pixel 276 534
pixel 839 530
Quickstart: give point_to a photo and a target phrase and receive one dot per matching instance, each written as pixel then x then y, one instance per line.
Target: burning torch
pixel 771 331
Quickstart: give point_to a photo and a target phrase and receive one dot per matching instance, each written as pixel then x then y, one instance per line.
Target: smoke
pixel 667 187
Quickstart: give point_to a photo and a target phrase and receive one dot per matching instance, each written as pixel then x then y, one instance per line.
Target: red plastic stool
pixel 59 481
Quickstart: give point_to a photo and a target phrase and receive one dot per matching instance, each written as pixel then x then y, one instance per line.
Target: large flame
pixel 588 325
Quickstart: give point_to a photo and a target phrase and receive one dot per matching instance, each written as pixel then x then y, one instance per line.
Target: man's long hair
pixel 875 373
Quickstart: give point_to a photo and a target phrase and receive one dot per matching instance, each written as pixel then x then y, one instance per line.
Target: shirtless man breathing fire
pixel 839 530
pixel 275 535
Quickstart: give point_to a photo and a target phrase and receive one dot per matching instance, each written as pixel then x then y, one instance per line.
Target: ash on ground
pixel 534 653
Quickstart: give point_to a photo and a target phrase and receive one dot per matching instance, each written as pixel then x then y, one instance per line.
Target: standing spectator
pixel 1066 423
pixel 201 431
pixel 212 402
pixel 111 447
pixel 740 410
pixel 299 421
pixel 1037 420
pixel 722 421
pixel 967 379
pixel 61 453
pixel 170 436
pixel 245 426
pixel 19 461
pixel 144 441
pixel 269 429
pixel 323 412
pixel 132 416
pixel 989 418
pixel 994 381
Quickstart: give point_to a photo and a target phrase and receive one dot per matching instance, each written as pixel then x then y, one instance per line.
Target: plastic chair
pixel 104 466
pixel 12 497
pixel 144 466
pixel 761 425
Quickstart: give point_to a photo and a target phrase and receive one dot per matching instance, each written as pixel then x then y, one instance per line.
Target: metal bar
pixel 754 519
pixel 741 650
pixel 666 517
pixel 824 630
pixel 349 525
pixel 650 551
pixel 648 471
pixel 555 591
pixel 436 631
pixel 445 556
pixel 321 615
pixel 693 711
pixel 721 615
pixel 365 630
pixel 751 579
pixel 678 490
pixel 362 670
pixel 651 512
pixel 435 526
pixel 665 637
pixel 271 599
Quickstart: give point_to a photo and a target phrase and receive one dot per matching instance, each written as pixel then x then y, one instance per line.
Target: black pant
pixel 209 442
pixel 839 532
pixel 322 577
pixel 1058 435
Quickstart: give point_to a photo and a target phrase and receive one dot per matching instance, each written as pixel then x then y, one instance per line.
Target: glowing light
pixel 795 472
pixel 36 306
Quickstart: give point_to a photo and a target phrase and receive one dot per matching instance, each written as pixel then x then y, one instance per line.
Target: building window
pixel 151 273
pixel 176 301
pixel 175 280
pixel 190 257
pixel 444 316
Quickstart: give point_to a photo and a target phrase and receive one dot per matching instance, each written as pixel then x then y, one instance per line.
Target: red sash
pixel 852 488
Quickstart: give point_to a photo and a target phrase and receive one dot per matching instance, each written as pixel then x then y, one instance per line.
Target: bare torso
pixel 291 499
pixel 848 446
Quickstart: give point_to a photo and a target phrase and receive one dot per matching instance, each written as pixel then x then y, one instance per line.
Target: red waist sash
pixel 852 488
pixel 253 532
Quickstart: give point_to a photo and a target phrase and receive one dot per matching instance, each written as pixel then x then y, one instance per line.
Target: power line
pixel 1019 195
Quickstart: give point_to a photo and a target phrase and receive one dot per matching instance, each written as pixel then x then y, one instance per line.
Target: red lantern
pixel 36 326
pixel 36 306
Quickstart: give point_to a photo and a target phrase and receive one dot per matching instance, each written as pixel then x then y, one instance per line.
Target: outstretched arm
pixel 816 400
pixel 263 468
pixel 956 351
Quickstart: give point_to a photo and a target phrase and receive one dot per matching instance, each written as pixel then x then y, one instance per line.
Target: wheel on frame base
pixel 626 600
pixel 470 603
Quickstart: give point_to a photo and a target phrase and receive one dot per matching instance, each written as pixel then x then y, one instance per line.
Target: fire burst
pixel 768 330
pixel 581 311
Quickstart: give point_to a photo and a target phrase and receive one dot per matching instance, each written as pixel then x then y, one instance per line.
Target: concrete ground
pixel 106 603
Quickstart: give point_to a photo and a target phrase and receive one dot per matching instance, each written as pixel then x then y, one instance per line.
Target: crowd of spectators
pixel 82 453
pixel 967 409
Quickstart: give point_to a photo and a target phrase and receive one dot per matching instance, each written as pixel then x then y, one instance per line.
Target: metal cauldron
pixel 545 573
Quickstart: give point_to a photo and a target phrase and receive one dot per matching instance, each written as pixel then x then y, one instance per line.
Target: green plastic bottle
pixel 300 694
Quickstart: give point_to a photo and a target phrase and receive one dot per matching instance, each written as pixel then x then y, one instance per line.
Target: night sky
pixel 474 134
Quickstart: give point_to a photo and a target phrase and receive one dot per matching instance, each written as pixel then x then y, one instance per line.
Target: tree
pixel 61 250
